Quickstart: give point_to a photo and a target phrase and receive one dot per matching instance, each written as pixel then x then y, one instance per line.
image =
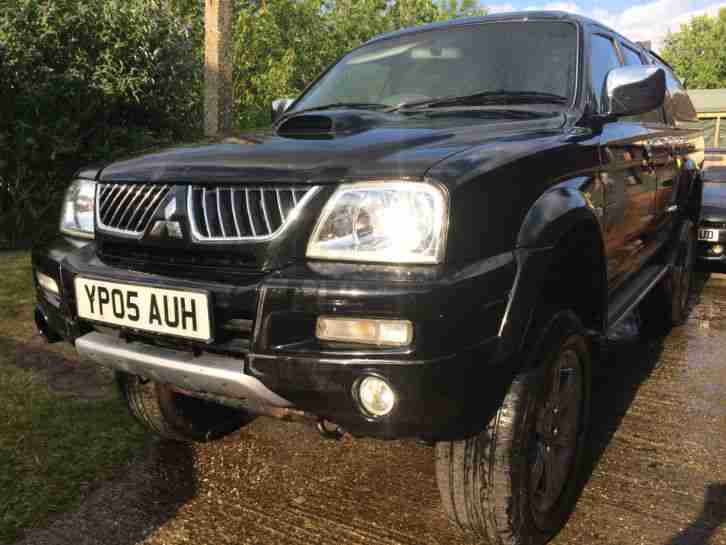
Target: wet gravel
pixel 655 473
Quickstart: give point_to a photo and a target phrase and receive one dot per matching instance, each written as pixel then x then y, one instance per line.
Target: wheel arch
pixel 561 262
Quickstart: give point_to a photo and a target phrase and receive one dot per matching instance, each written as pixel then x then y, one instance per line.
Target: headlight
pixel 390 222
pixel 77 216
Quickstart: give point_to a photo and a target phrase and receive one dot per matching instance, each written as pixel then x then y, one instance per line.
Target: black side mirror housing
pixel 634 90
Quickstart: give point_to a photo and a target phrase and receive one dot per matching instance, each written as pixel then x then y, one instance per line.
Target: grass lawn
pixel 54 445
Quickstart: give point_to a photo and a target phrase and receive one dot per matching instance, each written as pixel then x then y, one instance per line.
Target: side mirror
pixel 635 90
pixel 280 106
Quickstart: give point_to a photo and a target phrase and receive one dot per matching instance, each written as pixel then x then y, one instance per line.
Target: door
pixel 630 183
pixel 673 149
pixel 627 174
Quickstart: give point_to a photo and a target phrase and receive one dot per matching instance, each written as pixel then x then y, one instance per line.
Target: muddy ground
pixel 655 475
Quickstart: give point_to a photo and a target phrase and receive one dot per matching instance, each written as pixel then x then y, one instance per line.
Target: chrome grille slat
pixel 217 191
pixel 112 202
pixel 155 202
pixel 233 204
pixel 263 204
pixel 120 206
pixel 103 190
pixel 127 209
pixel 206 214
pixel 134 191
pixel 139 211
pixel 279 205
pixel 232 213
pixel 249 212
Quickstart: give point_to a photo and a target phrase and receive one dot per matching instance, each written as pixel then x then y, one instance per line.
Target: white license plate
pixel 163 311
pixel 708 234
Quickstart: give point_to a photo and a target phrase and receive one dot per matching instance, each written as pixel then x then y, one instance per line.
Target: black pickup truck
pixel 432 242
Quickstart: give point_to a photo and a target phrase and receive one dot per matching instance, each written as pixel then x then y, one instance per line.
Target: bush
pixel 82 81
pixel 284 44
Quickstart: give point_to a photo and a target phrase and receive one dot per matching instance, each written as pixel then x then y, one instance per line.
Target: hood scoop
pixel 327 126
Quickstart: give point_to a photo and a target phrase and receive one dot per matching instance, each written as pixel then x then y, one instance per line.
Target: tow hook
pixel 329 430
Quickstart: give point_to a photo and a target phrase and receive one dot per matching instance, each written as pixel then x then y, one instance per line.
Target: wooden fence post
pixel 217 66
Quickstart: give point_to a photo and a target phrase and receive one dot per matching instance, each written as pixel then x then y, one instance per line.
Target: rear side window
pixel 679 107
pixel 603 58
pixel 630 56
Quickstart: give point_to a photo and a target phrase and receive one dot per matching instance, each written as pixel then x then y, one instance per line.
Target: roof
pixel 554 15
pixel 708 100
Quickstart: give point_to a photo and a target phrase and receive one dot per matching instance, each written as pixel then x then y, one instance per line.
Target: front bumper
pixel 446 381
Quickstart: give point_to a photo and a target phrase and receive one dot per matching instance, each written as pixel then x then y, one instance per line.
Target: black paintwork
pixel 520 179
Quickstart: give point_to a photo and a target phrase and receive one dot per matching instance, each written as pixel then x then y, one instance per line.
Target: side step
pixel 627 299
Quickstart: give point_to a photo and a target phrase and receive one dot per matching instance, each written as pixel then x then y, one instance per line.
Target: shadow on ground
pixel 64 375
pixel 129 509
pixel 711 518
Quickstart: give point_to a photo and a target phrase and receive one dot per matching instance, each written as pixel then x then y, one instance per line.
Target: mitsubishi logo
pixel 166 229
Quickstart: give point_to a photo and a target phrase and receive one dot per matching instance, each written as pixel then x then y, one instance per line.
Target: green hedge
pixel 83 81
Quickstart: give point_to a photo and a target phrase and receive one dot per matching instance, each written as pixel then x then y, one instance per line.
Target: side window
pixel 632 58
pixel 678 105
pixel 603 58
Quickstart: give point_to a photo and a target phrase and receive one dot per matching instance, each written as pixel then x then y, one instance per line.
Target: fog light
pixel 378 332
pixel 376 397
pixel 47 283
pixel 717 249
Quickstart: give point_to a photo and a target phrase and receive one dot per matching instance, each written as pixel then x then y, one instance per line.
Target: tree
pixel 449 9
pixel 697 51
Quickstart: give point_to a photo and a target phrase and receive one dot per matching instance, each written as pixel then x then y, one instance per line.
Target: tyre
pixel 516 481
pixel 175 416
pixel 667 304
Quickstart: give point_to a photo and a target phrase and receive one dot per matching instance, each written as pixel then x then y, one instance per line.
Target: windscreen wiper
pixel 485 98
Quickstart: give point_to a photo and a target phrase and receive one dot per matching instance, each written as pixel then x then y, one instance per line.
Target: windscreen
pixel 533 56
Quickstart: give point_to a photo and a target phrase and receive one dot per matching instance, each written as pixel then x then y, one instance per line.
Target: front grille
pixel 128 208
pixel 713 224
pixel 233 213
